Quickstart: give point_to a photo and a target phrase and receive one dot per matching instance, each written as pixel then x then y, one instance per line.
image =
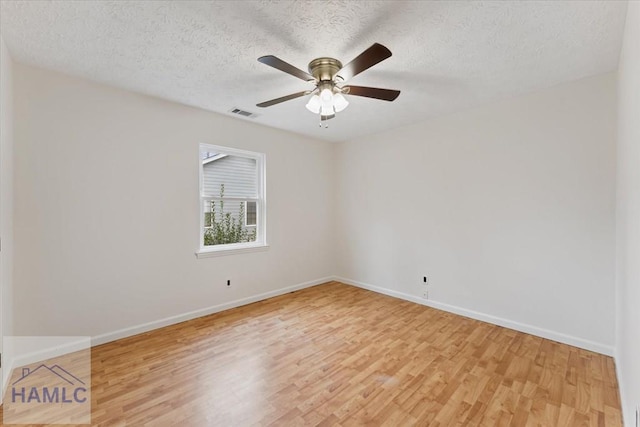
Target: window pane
pixel 224 223
pixel 236 176
pixel 251 213
pixel 207 219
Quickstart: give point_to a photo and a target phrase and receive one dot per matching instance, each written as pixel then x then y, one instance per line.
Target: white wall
pixel 6 201
pixel 92 257
pixel 628 217
pixel 508 208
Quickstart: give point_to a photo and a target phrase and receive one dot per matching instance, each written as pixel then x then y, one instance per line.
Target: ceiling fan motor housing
pixel 324 69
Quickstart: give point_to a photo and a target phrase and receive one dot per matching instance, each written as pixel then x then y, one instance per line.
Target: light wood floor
pixel 338 355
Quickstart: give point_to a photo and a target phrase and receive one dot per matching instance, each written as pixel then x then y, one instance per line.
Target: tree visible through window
pixel 232 198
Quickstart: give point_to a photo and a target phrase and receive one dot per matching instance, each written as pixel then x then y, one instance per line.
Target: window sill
pixel 208 253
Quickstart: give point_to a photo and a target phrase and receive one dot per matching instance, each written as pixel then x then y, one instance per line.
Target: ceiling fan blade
pixel 282 99
pixel 372 92
pixel 367 59
pixel 279 64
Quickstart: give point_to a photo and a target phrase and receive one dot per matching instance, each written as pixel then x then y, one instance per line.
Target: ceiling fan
pixel 328 74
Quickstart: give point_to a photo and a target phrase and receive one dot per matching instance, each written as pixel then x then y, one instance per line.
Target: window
pixel 208 223
pixel 250 215
pixel 232 201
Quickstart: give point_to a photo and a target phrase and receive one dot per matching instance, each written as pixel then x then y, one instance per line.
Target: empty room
pixel 336 213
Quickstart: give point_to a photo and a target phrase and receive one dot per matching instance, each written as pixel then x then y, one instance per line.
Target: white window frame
pixel 260 244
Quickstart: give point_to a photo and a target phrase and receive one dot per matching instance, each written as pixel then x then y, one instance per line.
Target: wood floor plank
pixel 338 355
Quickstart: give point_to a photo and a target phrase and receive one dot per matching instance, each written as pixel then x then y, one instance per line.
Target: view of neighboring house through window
pixel 232 198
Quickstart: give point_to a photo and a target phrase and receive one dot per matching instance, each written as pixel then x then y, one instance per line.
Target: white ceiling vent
pixel 243 113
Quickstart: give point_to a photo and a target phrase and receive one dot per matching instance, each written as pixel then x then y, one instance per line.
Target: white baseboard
pixel 50 352
pixel 529 329
pixel 146 327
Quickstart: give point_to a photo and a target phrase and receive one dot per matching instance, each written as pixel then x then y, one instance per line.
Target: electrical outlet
pixel 425 287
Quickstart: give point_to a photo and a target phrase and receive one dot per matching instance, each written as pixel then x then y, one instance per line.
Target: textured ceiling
pixel 447 56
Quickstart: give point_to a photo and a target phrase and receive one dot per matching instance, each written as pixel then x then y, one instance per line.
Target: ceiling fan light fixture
pixel 327 110
pixel 326 99
pixel 314 104
pixel 339 102
pixel 327 103
pixel 326 96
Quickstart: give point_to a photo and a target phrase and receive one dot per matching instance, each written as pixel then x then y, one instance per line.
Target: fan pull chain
pixel 326 126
